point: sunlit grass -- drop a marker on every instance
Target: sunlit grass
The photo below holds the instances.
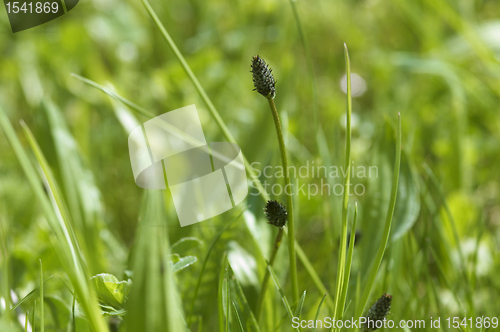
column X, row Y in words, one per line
column 426, row 230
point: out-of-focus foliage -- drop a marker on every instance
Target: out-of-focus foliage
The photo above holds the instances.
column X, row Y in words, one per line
column 437, row 62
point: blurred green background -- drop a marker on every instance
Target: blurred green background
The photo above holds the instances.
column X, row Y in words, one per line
column 436, row 62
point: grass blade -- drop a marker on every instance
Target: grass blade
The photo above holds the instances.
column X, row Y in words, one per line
column 228, row 300
column 339, row 306
column 239, row 299
column 54, row 212
column 220, row 297
column 72, row 325
column 456, row 237
column 317, row 313
column 198, row 283
column 213, row 111
column 153, row 302
column 442, row 271
column 300, row 253
column 4, row 265
column 442, row 195
column 114, row 95
column 78, row 188
column 238, row 317
column 42, row 323
column 211, row 108
column 33, row 317
column 349, row 260
column 280, row 290
column 387, row 228
column 298, row 310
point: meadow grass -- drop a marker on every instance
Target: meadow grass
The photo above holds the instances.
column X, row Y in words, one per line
column 426, row 230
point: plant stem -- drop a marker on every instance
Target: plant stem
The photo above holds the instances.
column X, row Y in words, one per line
column 263, row 287
column 289, row 203
column 339, row 306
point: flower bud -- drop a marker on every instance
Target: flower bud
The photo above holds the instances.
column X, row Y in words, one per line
column 378, row 312
column 263, row 79
column 276, row 213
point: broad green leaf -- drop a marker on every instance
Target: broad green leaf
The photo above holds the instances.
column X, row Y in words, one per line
column 153, row 304
column 174, row 258
column 110, row 291
column 185, row 244
column 59, row 314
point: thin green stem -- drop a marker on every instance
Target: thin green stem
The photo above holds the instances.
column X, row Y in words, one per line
column 42, row 324
column 33, row 327
column 289, row 203
column 220, row 297
column 349, row 262
column 339, row 306
column 265, row 281
column 228, row 300
column 4, row 265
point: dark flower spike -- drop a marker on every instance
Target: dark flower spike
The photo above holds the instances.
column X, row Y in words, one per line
column 276, row 213
column 378, row 312
column 263, row 79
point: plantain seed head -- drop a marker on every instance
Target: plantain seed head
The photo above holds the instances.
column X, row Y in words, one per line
column 263, row 79
column 378, row 311
column 276, row 213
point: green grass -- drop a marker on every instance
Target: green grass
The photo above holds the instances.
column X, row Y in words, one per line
column 425, row 231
